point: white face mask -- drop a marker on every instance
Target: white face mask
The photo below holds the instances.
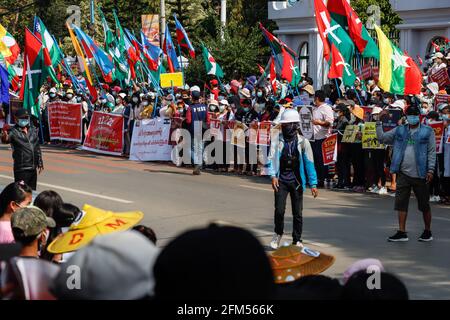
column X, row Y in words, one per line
column 221, row 108
column 69, row 96
column 135, row 100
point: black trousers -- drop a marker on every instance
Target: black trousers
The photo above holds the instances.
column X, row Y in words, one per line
column 296, row 193
column 318, row 161
column 27, row 176
column 343, row 164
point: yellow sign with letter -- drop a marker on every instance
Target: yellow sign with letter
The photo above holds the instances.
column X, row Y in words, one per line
column 169, row 80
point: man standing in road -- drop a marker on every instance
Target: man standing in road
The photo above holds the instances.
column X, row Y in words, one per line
column 197, row 119
column 413, row 160
column 323, row 118
column 291, row 167
column 27, row 155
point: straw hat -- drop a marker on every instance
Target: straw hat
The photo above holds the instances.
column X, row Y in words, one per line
column 358, row 112
column 93, row 222
column 290, row 263
column 309, row 88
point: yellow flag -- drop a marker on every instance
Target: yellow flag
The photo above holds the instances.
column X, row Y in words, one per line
column 79, row 52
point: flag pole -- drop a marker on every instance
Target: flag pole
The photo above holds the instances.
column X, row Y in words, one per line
column 181, row 62
column 337, row 88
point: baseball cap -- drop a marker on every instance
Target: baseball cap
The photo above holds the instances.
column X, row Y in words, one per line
column 438, row 55
column 22, row 113
column 31, row 221
column 117, row 266
column 195, row 88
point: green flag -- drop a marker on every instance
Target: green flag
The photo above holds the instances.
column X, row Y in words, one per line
column 212, row 67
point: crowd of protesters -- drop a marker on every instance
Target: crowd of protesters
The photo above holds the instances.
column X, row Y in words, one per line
column 250, row 100
column 197, row 264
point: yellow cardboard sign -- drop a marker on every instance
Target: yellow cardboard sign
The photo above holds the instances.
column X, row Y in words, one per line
column 369, row 137
column 169, row 80
column 350, row 134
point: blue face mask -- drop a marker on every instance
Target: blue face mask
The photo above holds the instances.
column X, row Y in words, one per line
column 23, row 123
column 445, row 117
column 246, row 109
column 413, row 120
column 259, row 94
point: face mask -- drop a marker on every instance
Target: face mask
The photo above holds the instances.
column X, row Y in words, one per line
column 180, row 110
column 212, row 108
column 259, row 94
column 118, row 101
column 221, row 108
column 69, row 96
column 52, row 95
column 386, row 101
column 135, row 100
column 23, row 123
column 246, row 109
column 413, row 120
column 145, row 103
column 289, row 131
column 78, row 99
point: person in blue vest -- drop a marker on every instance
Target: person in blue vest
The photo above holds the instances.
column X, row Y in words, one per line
column 291, row 167
column 197, row 119
column 413, row 160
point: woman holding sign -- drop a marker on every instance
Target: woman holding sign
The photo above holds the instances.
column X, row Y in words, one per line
column 290, row 158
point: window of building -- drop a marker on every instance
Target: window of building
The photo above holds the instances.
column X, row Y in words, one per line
column 303, row 58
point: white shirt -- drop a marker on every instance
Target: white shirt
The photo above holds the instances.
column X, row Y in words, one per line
column 323, row 113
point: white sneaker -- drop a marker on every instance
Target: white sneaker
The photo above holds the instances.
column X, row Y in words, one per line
column 375, row 190
column 383, row 191
column 275, row 243
column 299, row 244
column 435, row 199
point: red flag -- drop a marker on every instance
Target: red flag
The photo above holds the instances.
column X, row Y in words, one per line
column 32, row 49
column 319, row 7
column 273, row 75
column 288, row 66
column 337, row 67
column 436, row 47
column 261, row 69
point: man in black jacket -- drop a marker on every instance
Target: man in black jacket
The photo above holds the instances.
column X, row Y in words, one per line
column 27, row 155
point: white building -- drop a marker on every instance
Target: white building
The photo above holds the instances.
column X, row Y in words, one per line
column 423, row 22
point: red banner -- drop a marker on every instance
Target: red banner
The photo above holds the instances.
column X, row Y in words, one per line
column 64, row 120
column 105, row 134
column 438, row 128
column 228, row 127
column 329, row 151
column 441, row 78
column 440, row 98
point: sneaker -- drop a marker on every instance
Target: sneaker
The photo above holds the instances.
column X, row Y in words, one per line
column 400, row 236
column 382, row 191
column 299, row 244
column 375, row 190
column 275, row 243
column 435, row 199
column 196, row 171
column 426, row 236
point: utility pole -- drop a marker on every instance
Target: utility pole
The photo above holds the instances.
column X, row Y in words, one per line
column 223, row 17
column 162, row 26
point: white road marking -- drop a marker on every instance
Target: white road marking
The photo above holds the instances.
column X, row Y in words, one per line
column 85, row 193
column 270, row 190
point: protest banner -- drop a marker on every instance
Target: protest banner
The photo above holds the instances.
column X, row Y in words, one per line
column 175, row 124
column 105, row 134
column 150, row 140
column 215, row 126
column 227, row 127
column 350, row 134
column 329, row 149
column 306, row 126
column 390, row 121
column 253, row 133
column 438, row 128
column 441, row 78
column 150, row 28
column 365, row 72
column 264, row 133
column 439, row 99
column 369, row 137
column 64, row 121
column 238, row 134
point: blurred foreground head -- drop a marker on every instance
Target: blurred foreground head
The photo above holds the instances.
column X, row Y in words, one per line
column 214, row 263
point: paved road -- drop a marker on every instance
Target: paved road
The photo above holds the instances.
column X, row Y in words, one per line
column 348, row 225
